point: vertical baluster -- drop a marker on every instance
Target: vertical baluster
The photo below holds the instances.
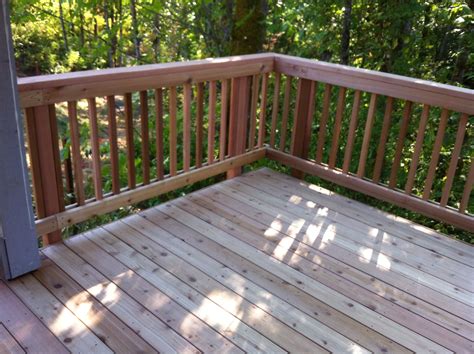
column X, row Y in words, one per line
column 454, row 159
column 263, row 111
column 187, row 128
column 337, row 127
column 276, row 99
column 95, row 148
column 467, row 188
column 145, row 136
column 114, row 157
column 159, row 133
column 352, row 132
column 367, row 132
column 400, row 143
column 43, row 146
column 173, row 134
column 286, row 110
column 308, row 130
column 129, row 140
column 211, row 136
column 253, row 110
column 383, row 140
column 323, row 123
column 435, row 154
column 76, row 152
column 418, row 145
column 223, row 128
column 199, row 123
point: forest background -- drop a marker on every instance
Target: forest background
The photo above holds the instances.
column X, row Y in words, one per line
column 432, row 40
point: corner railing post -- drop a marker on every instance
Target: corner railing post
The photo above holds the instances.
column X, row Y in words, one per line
column 303, row 121
column 238, row 121
column 45, row 163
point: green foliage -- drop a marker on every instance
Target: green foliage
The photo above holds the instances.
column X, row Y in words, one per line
column 426, row 39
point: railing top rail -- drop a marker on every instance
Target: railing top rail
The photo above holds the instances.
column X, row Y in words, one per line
column 89, row 76
column 416, row 90
column 46, row 89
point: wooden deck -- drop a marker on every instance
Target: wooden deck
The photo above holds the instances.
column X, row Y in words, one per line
column 263, row 262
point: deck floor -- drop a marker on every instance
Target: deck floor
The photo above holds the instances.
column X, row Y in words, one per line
column 263, row 262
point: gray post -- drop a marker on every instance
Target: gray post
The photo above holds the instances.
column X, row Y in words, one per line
column 18, row 243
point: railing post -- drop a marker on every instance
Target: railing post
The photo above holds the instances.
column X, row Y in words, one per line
column 45, row 163
column 238, row 121
column 303, row 122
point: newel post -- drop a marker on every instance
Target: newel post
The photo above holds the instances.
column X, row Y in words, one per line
column 18, row 243
column 238, row 120
column 46, row 164
column 303, row 121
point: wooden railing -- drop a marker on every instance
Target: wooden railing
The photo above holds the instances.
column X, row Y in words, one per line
column 152, row 129
column 194, row 114
column 336, row 110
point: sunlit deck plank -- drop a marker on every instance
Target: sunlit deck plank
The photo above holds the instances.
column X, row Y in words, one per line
column 376, row 303
column 60, row 320
column 290, row 246
column 22, row 323
column 280, row 208
column 194, row 278
column 110, row 329
column 195, row 302
column 433, row 263
column 125, row 275
column 364, row 336
column 251, row 295
column 131, row 312
column 293, row 276
column 296, row 229
column 403, row 228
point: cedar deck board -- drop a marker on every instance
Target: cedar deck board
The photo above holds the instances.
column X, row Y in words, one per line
column 250, row 248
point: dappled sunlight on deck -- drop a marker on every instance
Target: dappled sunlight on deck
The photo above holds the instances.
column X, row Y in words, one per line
column 253, row 264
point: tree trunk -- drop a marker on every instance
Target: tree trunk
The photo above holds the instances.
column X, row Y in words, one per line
column 120, row 17
column 135, row 35
column 346, row 32
column 71, row 17
column 113, row 34
column 156, row 38
column 229, row 24
column 248, row 32
column 63, row 25
column 81, row 29
column 391, row 58
column 460, row 68
column 109, row 35
column 424, row 33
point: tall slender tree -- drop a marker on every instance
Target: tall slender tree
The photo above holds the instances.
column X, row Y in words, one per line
column 346, row 32
column 135, row 30
column 248, row 31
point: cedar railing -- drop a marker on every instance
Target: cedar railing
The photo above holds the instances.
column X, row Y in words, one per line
column 202, row 118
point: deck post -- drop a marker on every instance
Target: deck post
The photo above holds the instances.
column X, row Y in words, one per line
column 45, row 164
column 238, row 121
column 303, row 122
column 18, row 243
